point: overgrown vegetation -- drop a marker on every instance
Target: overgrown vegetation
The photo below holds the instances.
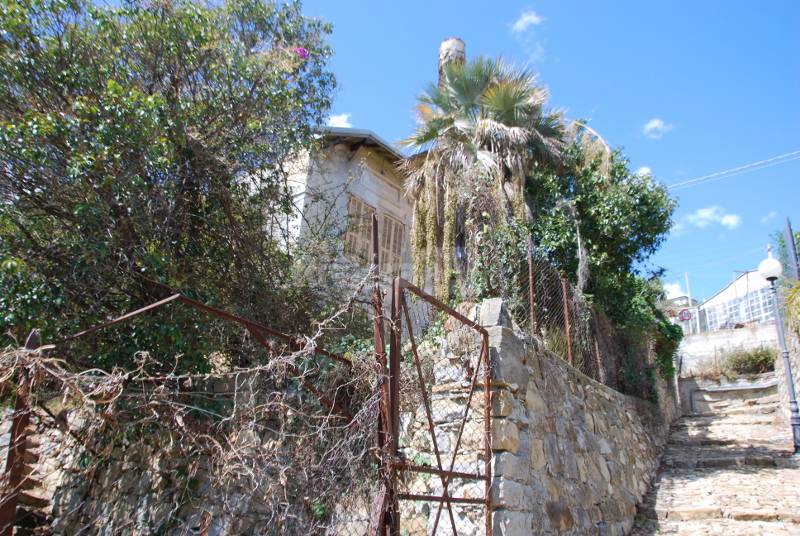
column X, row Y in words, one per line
column 501, row 174
column 143, row 145
column 738, row 362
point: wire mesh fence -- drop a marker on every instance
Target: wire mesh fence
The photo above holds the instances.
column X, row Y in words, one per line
column 546, row 305
column 440, row 367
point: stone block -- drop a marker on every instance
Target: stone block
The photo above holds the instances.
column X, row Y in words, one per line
column 508, row 494
column 507, row 354
column 502, row 403
column 494, row 313
column 508, row 523
column 559, row 514
column 534, row 400
column 507, row 465
column 537, row 454
column 505, row 435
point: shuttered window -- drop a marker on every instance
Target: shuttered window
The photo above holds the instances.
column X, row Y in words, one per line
column 391, row 245
column 358, row 238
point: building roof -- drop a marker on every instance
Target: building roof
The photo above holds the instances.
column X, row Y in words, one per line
column 363, row 137
column 748, row 274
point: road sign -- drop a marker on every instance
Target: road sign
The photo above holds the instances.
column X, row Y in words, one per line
column 685, row 315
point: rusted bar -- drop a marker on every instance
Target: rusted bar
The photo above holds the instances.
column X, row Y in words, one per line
column 249, row 324
column 426, row 404
column 405, row 285
column 532, row 290
column 439, row 498
column 119, row 319
column 15, row 460
column 404, row 466
column 487, row 430
column 298, row 345
column 394, row 404
column 378, row 335
column 567, row 325
column 378, row 522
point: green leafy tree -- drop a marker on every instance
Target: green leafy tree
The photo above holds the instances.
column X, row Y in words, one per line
column 145, row 145
column 600, row 225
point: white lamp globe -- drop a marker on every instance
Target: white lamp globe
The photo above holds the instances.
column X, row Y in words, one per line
column 770, row 268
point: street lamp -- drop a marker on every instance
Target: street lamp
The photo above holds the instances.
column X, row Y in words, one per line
column 770, row 269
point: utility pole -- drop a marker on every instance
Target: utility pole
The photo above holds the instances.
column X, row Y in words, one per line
column 689, row 296
column 791, row 249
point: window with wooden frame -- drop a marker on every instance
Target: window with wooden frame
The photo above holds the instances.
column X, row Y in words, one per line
column 391, row 245
column 358, row 237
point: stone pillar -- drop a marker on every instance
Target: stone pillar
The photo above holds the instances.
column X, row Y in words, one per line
column 512, row 514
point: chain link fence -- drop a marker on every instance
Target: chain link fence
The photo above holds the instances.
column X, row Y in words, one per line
column 546, row 305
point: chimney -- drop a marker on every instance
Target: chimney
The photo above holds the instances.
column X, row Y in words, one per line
column 451, row 50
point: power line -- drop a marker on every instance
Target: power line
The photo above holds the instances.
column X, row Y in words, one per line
column 774, row 161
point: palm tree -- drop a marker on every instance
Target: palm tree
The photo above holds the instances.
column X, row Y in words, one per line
column 481, row 129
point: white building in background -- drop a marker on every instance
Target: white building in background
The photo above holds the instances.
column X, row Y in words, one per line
column 338, row 188
column 746, row 301
column 739, row 316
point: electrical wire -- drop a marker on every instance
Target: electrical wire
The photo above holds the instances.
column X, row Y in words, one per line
column 747, row 168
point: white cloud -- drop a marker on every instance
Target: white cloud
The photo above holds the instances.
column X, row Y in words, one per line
column 731, row 221
column 526, row 19
column 644, row 170
column 341, row 121
column 531, row 42
column 655, row 128
column 769, row 217
column 673, row 290
column 706, row 216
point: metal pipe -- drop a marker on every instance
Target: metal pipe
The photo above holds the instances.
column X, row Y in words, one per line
column 787, row 369
column 567, row 325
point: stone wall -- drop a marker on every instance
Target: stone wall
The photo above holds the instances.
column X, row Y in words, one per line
column 571, row 456
column 700, row 350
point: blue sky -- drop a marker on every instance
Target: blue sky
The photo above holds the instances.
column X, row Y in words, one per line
column 686, row 89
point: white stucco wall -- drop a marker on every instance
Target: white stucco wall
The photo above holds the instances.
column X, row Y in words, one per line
column 701, row 348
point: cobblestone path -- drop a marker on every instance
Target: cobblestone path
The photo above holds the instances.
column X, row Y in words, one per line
column 727, row 472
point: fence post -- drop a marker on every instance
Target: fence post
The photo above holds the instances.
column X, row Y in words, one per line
column 15, row 461
column 567, row 325
column 378, row 516
column 394, row 405
column 532, row 289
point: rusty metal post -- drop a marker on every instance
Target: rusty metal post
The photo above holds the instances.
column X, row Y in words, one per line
column 394, row 404
column 15, row 462
column 487, row 429
column 378, row 336
column 567, row 325
column 532, row 289
column 379, row 518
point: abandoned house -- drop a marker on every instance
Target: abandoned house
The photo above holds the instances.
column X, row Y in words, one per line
column 338, row 188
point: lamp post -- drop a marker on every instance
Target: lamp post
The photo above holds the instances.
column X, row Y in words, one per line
column 770, row 269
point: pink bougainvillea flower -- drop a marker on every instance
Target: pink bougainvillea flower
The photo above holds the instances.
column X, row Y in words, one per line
column 302, row 52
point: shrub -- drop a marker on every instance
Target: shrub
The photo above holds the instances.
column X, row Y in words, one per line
column 752, row 361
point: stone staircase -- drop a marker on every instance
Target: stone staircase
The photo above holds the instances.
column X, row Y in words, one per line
column 727, row 469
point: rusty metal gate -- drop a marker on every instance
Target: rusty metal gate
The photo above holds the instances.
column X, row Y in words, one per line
column 439, row 405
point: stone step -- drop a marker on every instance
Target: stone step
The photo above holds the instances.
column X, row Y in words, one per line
column 718, row 462
column 716, row 527
column 750, row 409
column 727, row 420
column 692, row 513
